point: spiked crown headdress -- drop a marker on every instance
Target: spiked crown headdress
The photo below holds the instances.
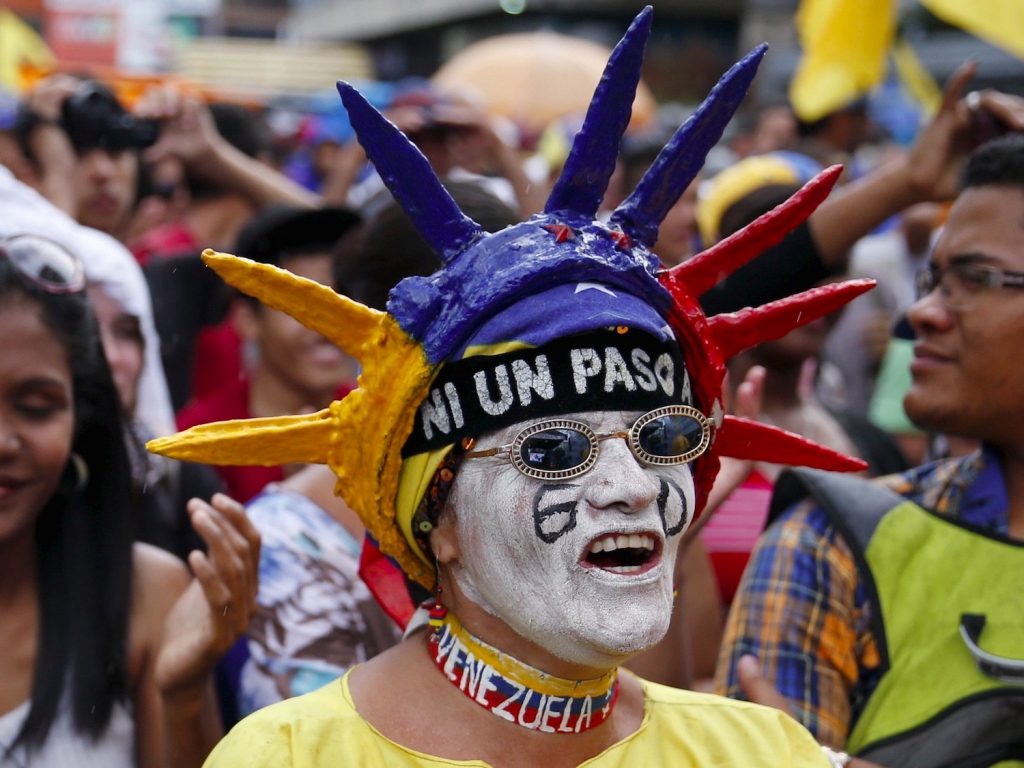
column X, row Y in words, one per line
column 429, row 318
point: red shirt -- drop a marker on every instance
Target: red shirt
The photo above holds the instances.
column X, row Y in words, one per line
column 231, row 401
column 173, row 239
column 731, row 533
column 218, row 351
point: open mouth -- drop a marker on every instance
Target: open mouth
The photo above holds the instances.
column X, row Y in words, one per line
column 623, row 553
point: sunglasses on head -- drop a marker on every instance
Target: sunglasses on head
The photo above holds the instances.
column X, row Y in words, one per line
column 47, row 264
column 559, row 449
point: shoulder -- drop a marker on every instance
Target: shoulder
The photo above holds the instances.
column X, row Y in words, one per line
column 804, row 528
column 322, row 723
column 155, row 568
column 715, row 730
column 158, row 580
column 803, row 559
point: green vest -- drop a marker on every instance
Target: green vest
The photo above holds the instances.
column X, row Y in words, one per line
column 947, row 603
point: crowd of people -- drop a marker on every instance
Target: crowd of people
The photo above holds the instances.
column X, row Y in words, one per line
column 475, row 427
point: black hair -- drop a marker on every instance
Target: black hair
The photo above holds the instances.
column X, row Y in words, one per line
column 638, row 153
column 808, row 129
column 999, row 163
column 83, row 537
column 245, row 130
column 752, row 205
column 280, row 232
column 370, row 260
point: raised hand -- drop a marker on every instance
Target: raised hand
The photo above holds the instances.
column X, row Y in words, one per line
column 938, row 154
column 216, row 608
column 50, row 144
column 187, row 132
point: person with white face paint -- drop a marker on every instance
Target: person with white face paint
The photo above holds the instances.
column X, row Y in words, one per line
column 535, row 426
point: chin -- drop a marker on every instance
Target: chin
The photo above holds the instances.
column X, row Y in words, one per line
column 605, row 632
column 930, row 413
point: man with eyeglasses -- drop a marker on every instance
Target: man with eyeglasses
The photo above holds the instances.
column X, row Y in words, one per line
column 889, row 614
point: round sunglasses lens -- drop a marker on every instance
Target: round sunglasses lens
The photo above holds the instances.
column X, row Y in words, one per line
column 671, row 435
column 45, row 262
column 555, row 449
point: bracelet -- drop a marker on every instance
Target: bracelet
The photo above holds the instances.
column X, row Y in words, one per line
column 838, row 759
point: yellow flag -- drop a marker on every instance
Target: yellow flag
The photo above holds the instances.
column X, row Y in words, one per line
column 1000, row 22
column 19, row 44
column 845, row 43
column 916, row 78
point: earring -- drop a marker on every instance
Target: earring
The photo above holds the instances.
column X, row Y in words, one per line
column 76, row 474
column 438, row 612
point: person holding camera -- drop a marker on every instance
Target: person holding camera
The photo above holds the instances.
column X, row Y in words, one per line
column 77, row 130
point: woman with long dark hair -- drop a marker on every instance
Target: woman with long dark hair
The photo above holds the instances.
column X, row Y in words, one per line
column 106, row 646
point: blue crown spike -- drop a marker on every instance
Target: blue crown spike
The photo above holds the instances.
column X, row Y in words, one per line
column 407, row 173
column 591, row 161
column 680, row 161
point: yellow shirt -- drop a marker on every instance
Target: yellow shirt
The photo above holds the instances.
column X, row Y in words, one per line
column 680, row 729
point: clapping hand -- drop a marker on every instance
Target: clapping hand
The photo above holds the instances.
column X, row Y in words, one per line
column 215, row 609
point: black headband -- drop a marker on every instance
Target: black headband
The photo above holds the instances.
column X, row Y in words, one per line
column 609, row 370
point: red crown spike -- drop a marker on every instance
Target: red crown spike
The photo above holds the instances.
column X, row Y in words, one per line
column 744, row 439
column 736, row 331
column 705, row 269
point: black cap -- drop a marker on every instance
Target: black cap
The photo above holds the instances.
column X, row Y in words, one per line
column 282, row 231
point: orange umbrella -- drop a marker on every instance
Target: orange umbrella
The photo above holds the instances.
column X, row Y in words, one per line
column 535, row 78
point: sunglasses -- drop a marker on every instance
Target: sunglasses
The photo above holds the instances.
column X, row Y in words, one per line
column 47, row 264
column 559, row 449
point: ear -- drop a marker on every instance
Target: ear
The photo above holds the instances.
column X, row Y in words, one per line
column 444, row 541
column 245, row 318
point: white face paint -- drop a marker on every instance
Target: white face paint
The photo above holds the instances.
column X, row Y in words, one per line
column 527, row 547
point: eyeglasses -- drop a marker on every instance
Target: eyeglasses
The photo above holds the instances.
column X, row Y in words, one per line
column 962, row 282
column 558, row 449
column 47, row 264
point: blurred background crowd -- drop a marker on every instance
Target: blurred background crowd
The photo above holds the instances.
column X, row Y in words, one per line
column 179, row 125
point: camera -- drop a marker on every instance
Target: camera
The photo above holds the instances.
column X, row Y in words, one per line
column 94, row 119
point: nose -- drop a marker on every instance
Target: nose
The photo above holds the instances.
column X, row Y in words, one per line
column 930, row 313
column 619, row 481
column 9, row 442
column 100, row 164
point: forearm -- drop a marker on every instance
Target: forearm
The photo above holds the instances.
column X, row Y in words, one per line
column 855, row 210
column 191, row 729
column 263, row 185
column 52, row 152
column 343, row 173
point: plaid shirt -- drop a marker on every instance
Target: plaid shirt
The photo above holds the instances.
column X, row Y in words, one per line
column 802, row 608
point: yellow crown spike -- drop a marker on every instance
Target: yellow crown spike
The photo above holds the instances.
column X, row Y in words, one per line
column 360, row 437
column 253, row 442
column 347, row 323
column 373, row 423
